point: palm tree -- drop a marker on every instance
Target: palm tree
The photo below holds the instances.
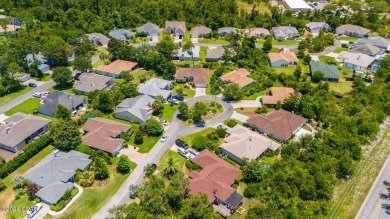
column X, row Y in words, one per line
column 170, row 167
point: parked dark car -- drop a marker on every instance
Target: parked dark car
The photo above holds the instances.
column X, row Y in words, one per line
column 178, row 97
column 181, row 143
column 32, row 84
column 200, row 124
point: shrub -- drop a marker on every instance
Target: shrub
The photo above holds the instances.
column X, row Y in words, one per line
column 125, row 136
column 220, row 132
column 200, row 142
column 231, row 123
column 2, row 162
column 2, row 186
column 123, row 165
column 83, row 148
column 152, row 127
column 192, row 166
column 139, row 137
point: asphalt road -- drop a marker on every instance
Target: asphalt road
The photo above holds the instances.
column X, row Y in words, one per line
column 20, row 99
column 374, row 207
column 176, row 130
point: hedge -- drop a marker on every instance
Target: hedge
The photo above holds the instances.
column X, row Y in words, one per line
column 61, row 205
column 29, row 151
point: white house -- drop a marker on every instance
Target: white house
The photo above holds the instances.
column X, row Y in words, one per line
column 356, row 61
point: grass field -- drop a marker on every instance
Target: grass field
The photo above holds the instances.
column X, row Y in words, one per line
column 213, row 41
column 260, row 7
column 203, row 52
column 98, row 63
column 68, row 88
column 180, row 161
column 190, row 93
column 340, row 49
column 168, row 112
column 28, row 106
column 9, row 97
column 274, row 50
column 191, row 137
column 148, row 143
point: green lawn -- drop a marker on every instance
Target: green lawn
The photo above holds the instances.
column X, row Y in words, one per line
column 274, row 50
column 238, row 122
column 277, row 42
column 189, row 92
column 186, row 38
column 148, row 143
column 9, row 97
column 27, row 106
column 253, row 96
column 68, row 88
column 342, row 87
column 348, row 38
column 208, row 92
column 325, row 58
column 261, row 7
column 202, row 55
column 190, row 137
column 168, row 112
column 180, row 160
column 213, row 41
column 246, row 204
column 248, row 111
column 340, row 49
column 111, row 117
column 98, row 63
column 290, row 69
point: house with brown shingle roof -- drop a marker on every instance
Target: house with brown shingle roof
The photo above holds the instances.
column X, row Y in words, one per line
column 8, row 29
column 215, row 180
column 276, row 94
column 102, row 134
column 282, row 59
column 278, row 124
column 257, row 32
column 200, row 31
column 200, row 76
column 238, row 76
column 115, row 68
column 178, row 28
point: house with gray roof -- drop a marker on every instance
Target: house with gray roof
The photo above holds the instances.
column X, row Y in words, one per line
column 42, row 66
column 55, row 174
column 156, row 87
column 284, row 32
column 356, row 61
column 98, row 39
column 149, row 28
column 121, row 34
column 257, row 32
column 367, row 49
column 352, row 30
column 200, row 31
column 226, row 30
column 331, row 72
column 377, row 41
column 185, row 55
column 178, row 28
column 215, row 54
column 70, row 101
column 90, row 82
column 137, row 109
column 19, row 129
column 315, row 27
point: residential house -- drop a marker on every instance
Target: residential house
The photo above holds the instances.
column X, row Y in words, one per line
column 178, row 28
column 316, row 27
column 352, row 30
column 277, row 95
column 185, row 55
column 282, row 59
column 285, row 32
column 200, row 76
column 90, row 82
column 8, row 29
column 278, row 124
column 297, row 5
column 356, row 61
column 215, row 54
column 215, row 180
column 245, row 145
column 156, row 87
column 258, row 32
column 98, row 39
column 42, row 66
column 121, row 34
column 55, row 174
column 103, row 134
column 149, row 28
column 331, row 72
column 377, row 41
column 367, row 49
column 137, row 109
column 238, row 76
column 70, row 101
column 22, row 77
column 19, row 129
column 115, row 68
column 200, row 31
column 223, row 31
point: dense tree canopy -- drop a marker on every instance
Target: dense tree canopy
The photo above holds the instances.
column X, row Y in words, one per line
column 65, row 135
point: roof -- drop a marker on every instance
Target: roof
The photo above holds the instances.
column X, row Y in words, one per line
column 330, row 71
column 277, row 94
column 201, row 75
column 139, row 106
column 284, row 30
column 149, row 28
column 54, row 171
column 120, row 34
column 367, row 49
column 30, row 58
column 317, row 25
column 200, row 30
column 155, row 87
column 353, row 29
column 89, row 82
column 102, row 133
column 184, row 53
column 227, row 30
column 356, row 58
column 287, row 56
column 239, row 76
column 176, row 24
column 21, row 126
column 297, row 4
column 375, row 41
column 257, row 31
column 279, row 122
column 214, row 179
column 99, row 36
column 56, row 98
column 117, row 67
column 10, row 28
column 215, row 53
column 245, row 143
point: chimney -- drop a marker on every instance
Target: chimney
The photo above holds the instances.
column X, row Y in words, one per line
column 92, row 84
column 7, row 130
column 69, row 97
column 56, row 153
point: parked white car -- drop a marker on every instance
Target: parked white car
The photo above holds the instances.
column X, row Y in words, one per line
column 183, row 152
column 37, row 95
column 164, row 122
column 164, row 138
column 33, row 210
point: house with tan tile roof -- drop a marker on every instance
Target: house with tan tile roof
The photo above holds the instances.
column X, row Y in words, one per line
column 200, row 76
column 277, row 94
column 257, row 32
column 115, row 68
column 215, row 180
column 282, row 59
column 90, row 82
column 8, row 29
column 200, row 31
column 238, row 76
column 103, row 134
column 278, row 124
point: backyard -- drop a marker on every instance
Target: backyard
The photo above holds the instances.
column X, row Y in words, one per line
column 191, row 137
column 9, row 97
column 348, row 38
column 340, row 49
column 213, row 41
column 168, row 112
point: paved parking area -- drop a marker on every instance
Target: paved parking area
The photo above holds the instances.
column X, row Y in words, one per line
column 133, row 154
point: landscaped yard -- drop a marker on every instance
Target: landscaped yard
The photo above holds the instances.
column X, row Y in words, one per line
column 290, row 69
column 148, row 143
column 180, row 160
column 98, row 63
column 191, row 137
column 203, row 52
column 213, row 41
column 348, row 38
column 9, row 97
column 68, row 88
column 189, row 93
column 246, row 204
column 186, row 38
column 340, row 49
column 28, row 106
column 274, row 49
column 277, row 42
column 168, row 112
column 214, row 109
column 248, row 111
column 342, row 87
column 139, row 40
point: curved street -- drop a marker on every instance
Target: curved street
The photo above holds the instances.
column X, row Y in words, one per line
column 175, row 130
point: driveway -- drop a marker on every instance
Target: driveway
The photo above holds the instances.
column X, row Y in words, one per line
column 2, row 118
column 200, row 92
column 240, row 117
column 133, row 154
column 42, row 213
column 38, row 83
column 195, row 40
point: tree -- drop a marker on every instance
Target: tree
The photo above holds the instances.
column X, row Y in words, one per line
column 158, row 105
column 129, row 89
column 100, row 168
column 220, row 132
column 18, row 181
column 62, row 112
column 62, row 75
column 32, row 189
column 298, row 73
column 252, row 172
column 198, row 110
column 167, row 48
column 139, row 137
column 149, row 170
column 317, row 76
column 82, row 63
column 152, row 127
column 65, row 135
column 267, row 46
column 232, row 92
column 183, row 109
column 200, row 142
column 306, row 59
column 104, row 102
column 189, row 46
column 123, row 165
column 195, row 208
column 14, row 68
column 170, row 167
